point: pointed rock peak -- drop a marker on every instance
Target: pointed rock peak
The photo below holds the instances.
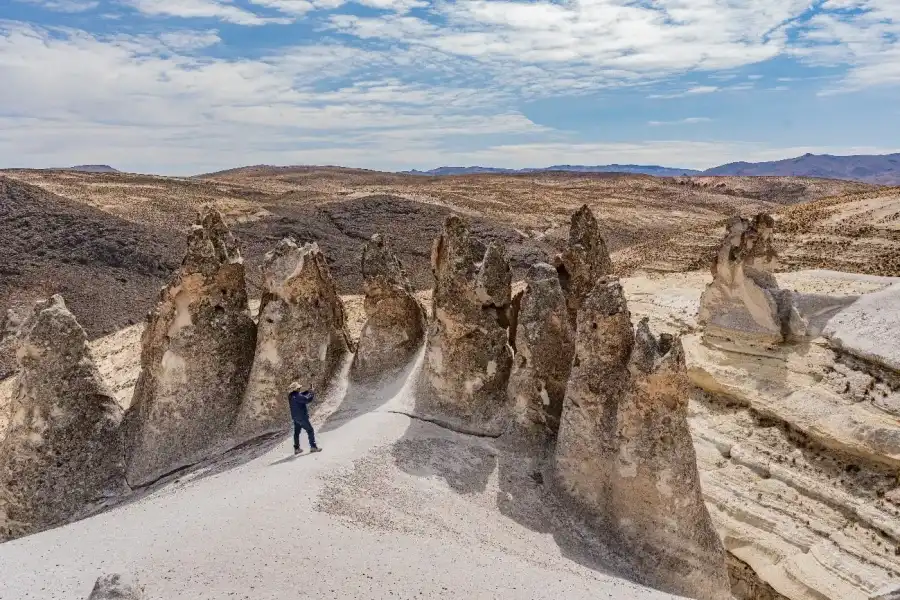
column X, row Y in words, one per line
column 380, row 263
column 584, row 229
column 210, row 242
column 293, row 272
column 494, row 279
column 455, row 250
column 51, row 328
column 584, row 261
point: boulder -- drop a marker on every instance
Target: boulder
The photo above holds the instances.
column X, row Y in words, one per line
column 63, row 451
column 301, row 335
column 395, row 321
column 196, row 353
column 467, row 358
column 624, row 452
column 545, row 345
column 115, row 587
column 584, row 261
column 743, row 302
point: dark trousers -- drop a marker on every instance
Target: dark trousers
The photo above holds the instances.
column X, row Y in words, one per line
column 301, row 426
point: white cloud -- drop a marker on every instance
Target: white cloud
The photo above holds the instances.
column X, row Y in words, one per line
column 211, row 9
column 694, row 91
column 65, row 6
column 687, row 121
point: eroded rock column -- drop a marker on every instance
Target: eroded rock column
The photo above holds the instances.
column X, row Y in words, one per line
column 196, row 354
column 584, row 261
column 395, row 321
column 301, row 335
column 545, row 345
column 63, row 451
column 624, row 452
column 744, row 303
column 467, row 357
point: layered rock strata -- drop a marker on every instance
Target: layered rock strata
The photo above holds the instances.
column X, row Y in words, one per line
column 395, row 321
column 467, row 357
column 624, row 452
column 196, row 353
column 545, row 345
column 63, row 450
column 301, row 335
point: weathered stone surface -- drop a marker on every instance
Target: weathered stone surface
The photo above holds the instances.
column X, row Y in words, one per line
column 64, row 448
column 585, row 260
column 115, row 587
column 196, row 354
column 624, row 452
column 395, row 321
column 545, row 345
column 301, row 335
column 888, row 593
column 743, row 302
column 868, row 328
column 467, row 357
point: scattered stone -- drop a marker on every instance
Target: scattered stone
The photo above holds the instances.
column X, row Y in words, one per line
column 744, row 302
column 585, row 260
column 545, row 345
column 196, row 354
column 625, row 455
column 301, row 335
column 467, row 357
column 115, row 587
column 395, row 321
column 63, row 451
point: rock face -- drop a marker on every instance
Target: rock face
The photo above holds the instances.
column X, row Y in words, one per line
column 115, row 587
column 624, row 452
column 301, row 335
column 545, row 345
column 395, row 321
column 196, row 353
column 64, row 448
column 467, row 357
column 585, row 260
column 743, row 301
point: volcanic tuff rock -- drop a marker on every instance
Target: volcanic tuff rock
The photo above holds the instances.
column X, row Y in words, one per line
column 467, row 357
column 624, row 452
column 63, row 450
column 115, row 587
column 395, row 323
column 196, row 354
column 584, row 261
column 301, row 335
column 744, row 301
column 545, row 345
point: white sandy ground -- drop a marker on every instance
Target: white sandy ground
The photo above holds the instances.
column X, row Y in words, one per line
column 392, row 508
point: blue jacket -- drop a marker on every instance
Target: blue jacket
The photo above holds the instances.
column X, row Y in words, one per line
column 299, row 402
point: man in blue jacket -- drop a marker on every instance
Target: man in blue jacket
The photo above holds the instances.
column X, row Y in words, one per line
column 299, row 401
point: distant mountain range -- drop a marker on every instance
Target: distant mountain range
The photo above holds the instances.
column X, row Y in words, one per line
column 641, row 169
column 883, row 169
column 93, row 169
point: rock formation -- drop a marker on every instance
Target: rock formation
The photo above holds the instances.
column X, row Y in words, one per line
column 743, row 301
column 624, row 453
column 301, row 335
column 585, row 260
column 115, row 587
column 64, row 449
column 467, row 357
column 545, row 345
column 395, row 321
column 196, row 354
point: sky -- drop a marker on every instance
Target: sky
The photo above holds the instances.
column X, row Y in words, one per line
column 184, row 87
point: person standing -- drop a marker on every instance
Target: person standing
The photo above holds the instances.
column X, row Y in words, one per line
column 299, row 402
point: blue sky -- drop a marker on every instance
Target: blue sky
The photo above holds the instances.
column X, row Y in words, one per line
column 188, row 86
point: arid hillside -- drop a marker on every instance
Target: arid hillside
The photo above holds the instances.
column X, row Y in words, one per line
column 340, row 208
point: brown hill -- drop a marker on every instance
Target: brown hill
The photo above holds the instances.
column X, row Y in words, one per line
column 881, row 169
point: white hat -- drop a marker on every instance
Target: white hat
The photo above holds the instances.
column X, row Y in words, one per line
column 295, row 386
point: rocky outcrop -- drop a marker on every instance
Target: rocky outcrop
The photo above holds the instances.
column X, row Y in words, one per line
column 744, row 303
column 545, row 345
column 395, row 321
column 301, row 335
column 196, row 353
column 584, row 261
column 63, row 451
column 624, row 453
column 115, row 587
column 467, row 358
